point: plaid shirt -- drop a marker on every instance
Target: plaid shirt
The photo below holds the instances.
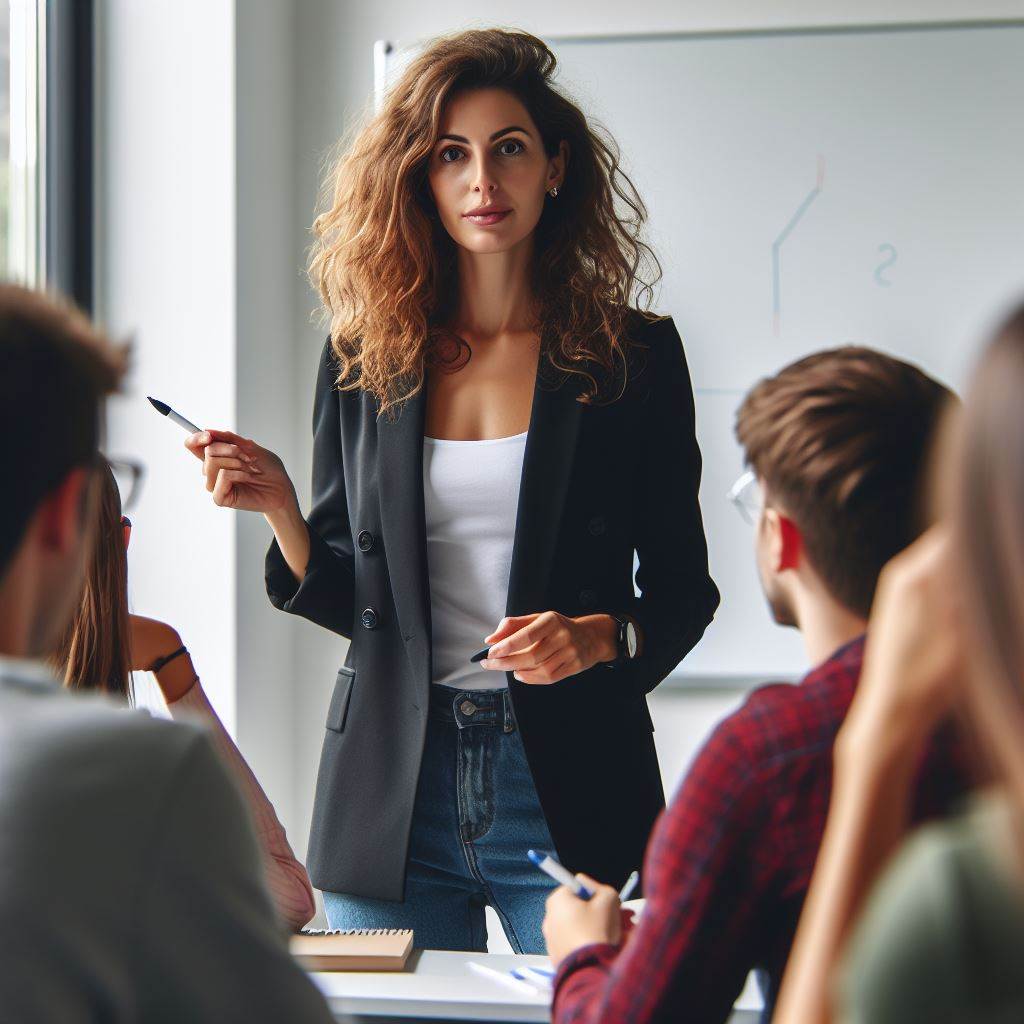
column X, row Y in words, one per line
column 730, row 860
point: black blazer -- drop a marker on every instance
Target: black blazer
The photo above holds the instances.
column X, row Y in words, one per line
column 598, row 482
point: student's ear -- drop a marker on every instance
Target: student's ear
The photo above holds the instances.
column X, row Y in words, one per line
column 791, row 544
column 65, row 513
column 782, row 540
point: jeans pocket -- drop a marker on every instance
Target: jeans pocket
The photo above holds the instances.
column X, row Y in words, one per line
column 338, row 711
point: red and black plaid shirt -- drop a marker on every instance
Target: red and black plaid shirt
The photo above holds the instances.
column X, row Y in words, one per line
column 730, row 860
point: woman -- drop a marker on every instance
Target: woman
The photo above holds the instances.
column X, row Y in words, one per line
column 104, row 644
column 496, row 432
column 942, row 933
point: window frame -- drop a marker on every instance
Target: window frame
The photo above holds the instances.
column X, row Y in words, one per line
column 68, row 140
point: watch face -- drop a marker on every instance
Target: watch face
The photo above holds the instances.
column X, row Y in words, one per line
column 631, row 639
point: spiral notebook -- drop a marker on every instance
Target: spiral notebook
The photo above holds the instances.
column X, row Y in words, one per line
column 362, row 949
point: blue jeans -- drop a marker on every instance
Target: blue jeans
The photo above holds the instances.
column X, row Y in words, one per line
column 476, row 815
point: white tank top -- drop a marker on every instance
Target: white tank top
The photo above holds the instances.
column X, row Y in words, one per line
column 470, row 497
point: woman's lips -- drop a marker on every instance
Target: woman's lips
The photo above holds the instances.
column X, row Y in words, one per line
column 485, row 219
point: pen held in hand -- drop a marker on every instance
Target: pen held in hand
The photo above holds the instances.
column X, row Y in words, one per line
column 165, row 410
column 627, row 889
column 480, row 655
column 554, row 870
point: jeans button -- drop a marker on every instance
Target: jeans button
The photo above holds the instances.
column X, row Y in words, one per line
column 365, row 540
column 467, row 707
column 369, row 618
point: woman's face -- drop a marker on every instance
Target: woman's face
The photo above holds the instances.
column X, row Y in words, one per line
column 488, row 172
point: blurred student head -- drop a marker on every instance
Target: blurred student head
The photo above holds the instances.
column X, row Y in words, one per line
column 838, row 445
column 984, row 492
column 56, row 372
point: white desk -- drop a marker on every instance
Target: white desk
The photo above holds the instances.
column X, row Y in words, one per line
column 438, row 986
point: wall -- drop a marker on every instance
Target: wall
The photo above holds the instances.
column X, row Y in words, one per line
column 166, row 276
column 195, row 257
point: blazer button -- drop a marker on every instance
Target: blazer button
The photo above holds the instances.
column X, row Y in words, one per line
column 369, row 618
column 588, row 598
column 365, row 540
column 597, row 526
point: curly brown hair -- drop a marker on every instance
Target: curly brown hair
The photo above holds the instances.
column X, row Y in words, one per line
column 385, row 266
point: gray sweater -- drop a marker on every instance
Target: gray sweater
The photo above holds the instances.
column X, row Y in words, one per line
column 131, row 887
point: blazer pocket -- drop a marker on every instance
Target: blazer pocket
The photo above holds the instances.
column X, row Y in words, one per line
column 338, row 711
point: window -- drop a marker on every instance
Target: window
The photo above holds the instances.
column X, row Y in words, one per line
column 19, row 204
column 46, row 145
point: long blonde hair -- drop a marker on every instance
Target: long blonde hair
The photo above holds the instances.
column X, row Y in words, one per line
column 385, row 266
column 93, row 653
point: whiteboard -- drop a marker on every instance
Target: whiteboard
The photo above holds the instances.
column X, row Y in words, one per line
column 808, row 189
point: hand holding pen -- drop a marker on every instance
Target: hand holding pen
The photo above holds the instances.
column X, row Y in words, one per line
column 571, row 922
column 239, row 473
column 581, row 911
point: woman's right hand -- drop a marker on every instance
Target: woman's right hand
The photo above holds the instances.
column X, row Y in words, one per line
column 241, row 474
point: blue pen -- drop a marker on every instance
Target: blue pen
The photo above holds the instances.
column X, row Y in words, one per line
column 541, row 972
column 553, row 869
column 525, row 975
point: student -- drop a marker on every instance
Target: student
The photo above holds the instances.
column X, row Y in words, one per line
column 496, row 432
column 837, row 443
column 942, row 935
column 130, row 881
column 103, row 644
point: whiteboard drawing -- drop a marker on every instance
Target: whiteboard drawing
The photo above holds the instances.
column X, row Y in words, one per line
column 890, row 254
column 783, row 235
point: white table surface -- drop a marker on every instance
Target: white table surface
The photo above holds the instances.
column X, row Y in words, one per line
column 438, row 985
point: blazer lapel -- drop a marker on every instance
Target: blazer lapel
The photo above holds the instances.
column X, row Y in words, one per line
column 400, row 482
column 547, row 463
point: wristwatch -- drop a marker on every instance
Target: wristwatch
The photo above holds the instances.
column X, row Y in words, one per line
column 626, row 643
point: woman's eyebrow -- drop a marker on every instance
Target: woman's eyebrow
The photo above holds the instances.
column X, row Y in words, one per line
column 510, row 128
column 496, row 135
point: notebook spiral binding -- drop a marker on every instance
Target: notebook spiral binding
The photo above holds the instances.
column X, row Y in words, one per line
column 353, row 931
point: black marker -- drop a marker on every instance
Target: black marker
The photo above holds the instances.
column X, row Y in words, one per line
column 480, row 655
column 165, row 410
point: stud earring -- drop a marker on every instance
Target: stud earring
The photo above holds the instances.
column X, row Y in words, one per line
column 553, row 191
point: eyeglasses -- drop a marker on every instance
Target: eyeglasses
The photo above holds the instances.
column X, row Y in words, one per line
column 128, row 476
column 746, row 496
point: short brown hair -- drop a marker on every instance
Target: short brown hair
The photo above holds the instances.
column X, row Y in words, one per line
column 55, row 370
column 841, row 440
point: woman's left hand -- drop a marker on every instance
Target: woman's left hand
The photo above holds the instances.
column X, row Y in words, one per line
column 547, row 646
